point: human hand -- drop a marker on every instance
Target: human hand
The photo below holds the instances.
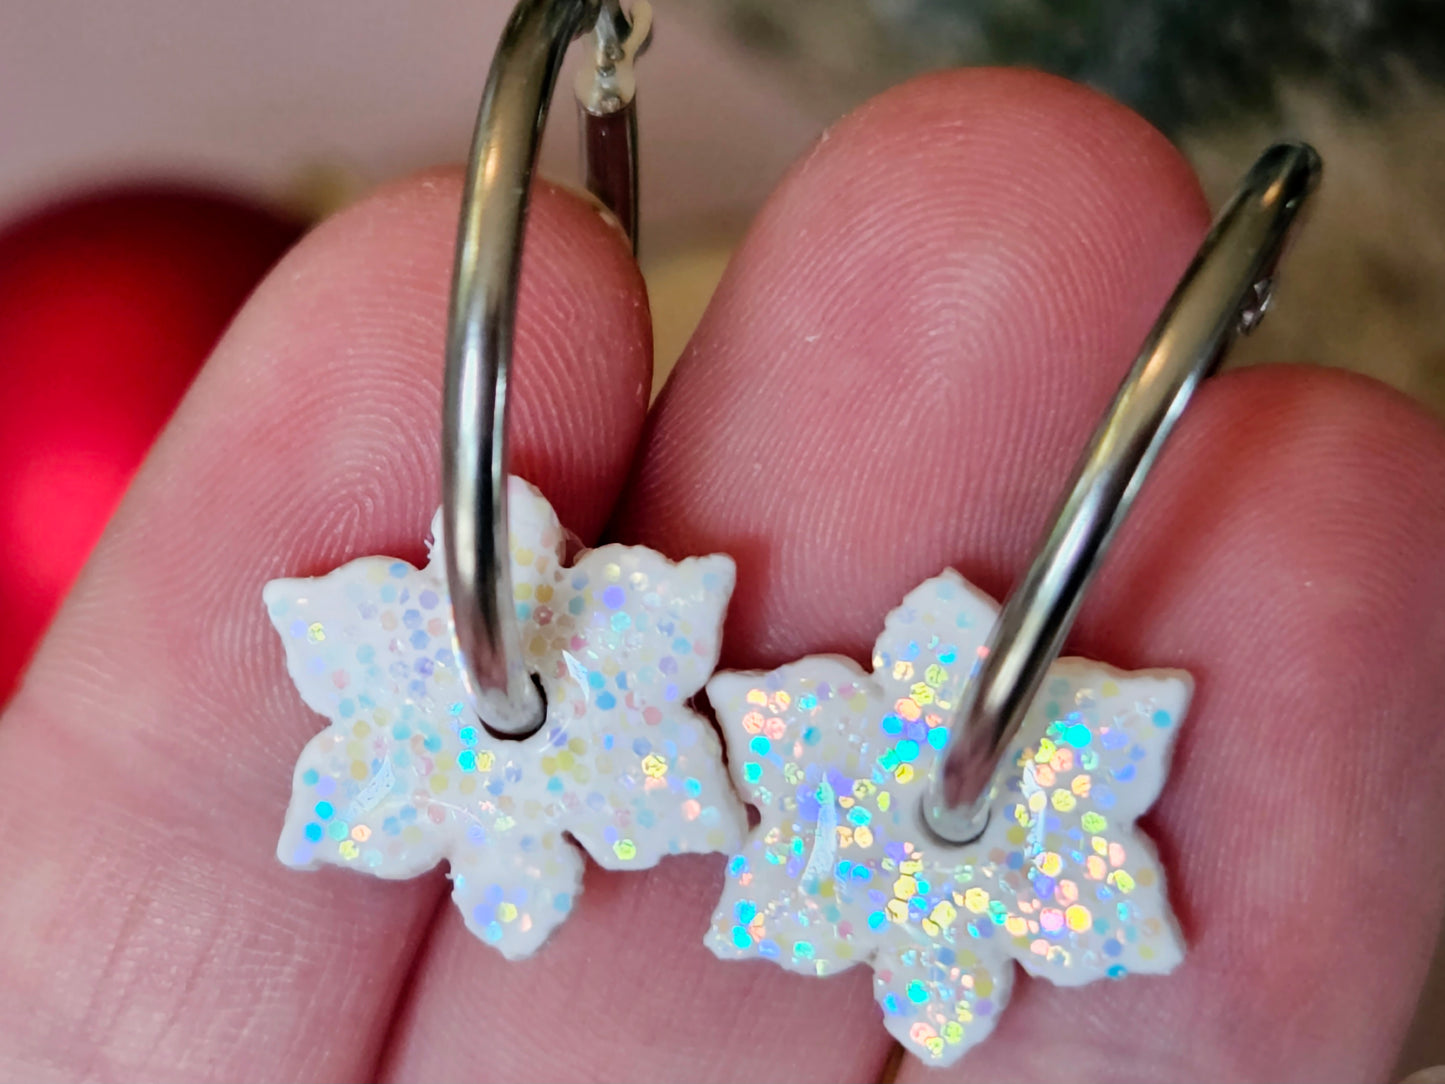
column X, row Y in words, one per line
column 897, row 374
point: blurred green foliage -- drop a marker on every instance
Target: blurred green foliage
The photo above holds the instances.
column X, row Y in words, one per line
column 1179, row 62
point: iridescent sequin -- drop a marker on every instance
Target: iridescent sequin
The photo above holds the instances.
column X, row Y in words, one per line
column 406, row 775
column 839, row 871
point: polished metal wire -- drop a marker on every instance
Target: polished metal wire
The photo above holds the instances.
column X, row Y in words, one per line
column 482, row 318
column 1224, row 293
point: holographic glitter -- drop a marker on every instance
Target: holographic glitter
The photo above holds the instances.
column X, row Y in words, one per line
column 406, row 774
column 840, row 870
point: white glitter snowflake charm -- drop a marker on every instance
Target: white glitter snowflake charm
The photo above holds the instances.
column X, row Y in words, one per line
column 840, row 871
column 406, row 775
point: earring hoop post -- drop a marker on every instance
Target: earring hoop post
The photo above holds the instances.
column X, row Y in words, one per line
column 1224, row 293
column 480, row 337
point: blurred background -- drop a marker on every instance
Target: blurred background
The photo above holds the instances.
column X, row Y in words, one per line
column 157, row 156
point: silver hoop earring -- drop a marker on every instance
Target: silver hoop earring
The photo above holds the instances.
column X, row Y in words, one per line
column 486, row 704
column 971, row 800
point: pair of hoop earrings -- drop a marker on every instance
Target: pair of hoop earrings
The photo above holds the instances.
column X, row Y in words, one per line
column 969, row 801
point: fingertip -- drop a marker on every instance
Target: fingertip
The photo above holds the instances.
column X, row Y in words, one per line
column 347, row 337
column 584, row 322
column 1331, row 486
column 310, row 438
column 923, row 323
column 1024, row 116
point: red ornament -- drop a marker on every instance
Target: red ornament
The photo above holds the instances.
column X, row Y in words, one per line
column 109, row 304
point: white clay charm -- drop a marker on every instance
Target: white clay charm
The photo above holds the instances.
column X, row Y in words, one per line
column 406, row 775
column 841, row 871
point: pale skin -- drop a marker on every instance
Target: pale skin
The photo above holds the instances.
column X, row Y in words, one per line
column 898, row 371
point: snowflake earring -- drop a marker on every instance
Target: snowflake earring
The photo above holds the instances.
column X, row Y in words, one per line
column 484, row 705
column 972, row 801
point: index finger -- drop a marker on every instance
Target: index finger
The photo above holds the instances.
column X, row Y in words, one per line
column 146, row 929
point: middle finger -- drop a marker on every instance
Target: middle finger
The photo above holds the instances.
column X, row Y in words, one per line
column 960, row 268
